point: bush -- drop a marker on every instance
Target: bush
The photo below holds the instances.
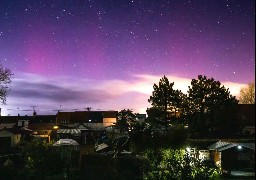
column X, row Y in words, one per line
column 176, row 164
column 98, row 167
column 42, row 160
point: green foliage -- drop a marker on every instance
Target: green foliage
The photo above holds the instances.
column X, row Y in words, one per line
column 97, row 167
column 143, row 138
column 5, row 80
column 8, row 170
column 42, row 159
column 177, row 164
column 125, row 120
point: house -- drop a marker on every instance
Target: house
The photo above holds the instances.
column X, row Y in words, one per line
column 8, row 121
column 245, row 118
column 42, row 119
column 40, row 125
column 24, row 121
column 81, row 125
column 9, row 137
column 42, row 130
column 233, row 155
column 96, row 120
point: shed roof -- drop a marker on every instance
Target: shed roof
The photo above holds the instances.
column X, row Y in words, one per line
column 68, row 131
column 41, row 126
column 63, row 142
column 12, row 130
column 85, row 116
column 223, row 145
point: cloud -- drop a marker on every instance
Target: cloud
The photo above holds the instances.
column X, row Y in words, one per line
column 234, row 88
column 145, row 84
column 49, row 93
column 56, row 93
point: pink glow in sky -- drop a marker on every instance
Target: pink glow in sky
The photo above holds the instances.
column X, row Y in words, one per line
column 108, row 54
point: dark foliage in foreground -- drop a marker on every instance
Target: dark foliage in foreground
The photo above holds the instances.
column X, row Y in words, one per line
column 96, row 167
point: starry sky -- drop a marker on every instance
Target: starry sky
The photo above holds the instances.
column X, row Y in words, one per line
column 107, row 54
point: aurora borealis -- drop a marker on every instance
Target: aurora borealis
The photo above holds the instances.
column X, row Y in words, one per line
column 69, row 55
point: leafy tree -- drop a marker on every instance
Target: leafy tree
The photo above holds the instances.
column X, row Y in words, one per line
column 208, row 103
column 165, row 102
column 247, row 94
column 155, row 116
column 42, row 159
column 126, row 118
column 177, row 164
column 5, row 80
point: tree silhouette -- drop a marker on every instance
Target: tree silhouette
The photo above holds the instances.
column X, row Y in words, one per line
column 165, row 102
column 5, row 80
column 125, row 119
column 209, row 102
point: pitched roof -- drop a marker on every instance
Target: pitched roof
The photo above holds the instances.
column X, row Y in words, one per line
column 9, row 119
column 223, row 145
column 68, row 131
column 85, row 116
column 32, row 119
column 12, row 130
column 41, row 126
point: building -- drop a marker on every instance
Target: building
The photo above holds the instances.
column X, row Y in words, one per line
column 24, row 121
column 9, row 137
column 245, row 118
column 37, row 125
column 42, row 130
column 96, row 120
column 233, row 155
column 8, row 121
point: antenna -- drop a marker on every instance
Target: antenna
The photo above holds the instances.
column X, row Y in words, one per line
column 34, row 112
column 33, row 107
column 58, row 109
column 88, row 108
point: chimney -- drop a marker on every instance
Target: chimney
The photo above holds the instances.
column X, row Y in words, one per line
column 34, row 113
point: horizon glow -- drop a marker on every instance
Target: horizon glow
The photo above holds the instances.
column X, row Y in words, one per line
column 108, row 54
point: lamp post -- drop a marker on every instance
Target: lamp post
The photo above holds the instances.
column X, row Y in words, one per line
column 55, row 128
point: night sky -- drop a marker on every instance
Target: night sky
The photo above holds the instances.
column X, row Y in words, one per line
column 107, row 54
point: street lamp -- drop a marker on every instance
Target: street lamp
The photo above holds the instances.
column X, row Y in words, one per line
column 188, row 149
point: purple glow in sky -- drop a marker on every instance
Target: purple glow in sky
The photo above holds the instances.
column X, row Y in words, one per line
column 108, row 54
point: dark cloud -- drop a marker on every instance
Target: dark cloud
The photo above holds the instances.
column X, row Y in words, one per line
column 56, row 93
